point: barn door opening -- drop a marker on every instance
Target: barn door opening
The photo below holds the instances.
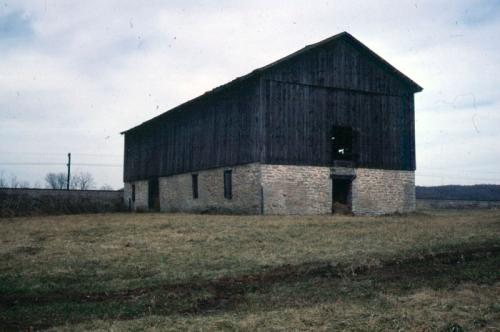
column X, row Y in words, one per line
column 153, row 194
column 345, row 143
column 341, row 195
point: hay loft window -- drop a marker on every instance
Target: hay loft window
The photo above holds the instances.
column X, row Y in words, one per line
column 228, row 184
column 133, row 193
column 344, row 144
column 194, row 183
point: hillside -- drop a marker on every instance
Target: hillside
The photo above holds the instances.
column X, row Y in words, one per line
column 482, row 192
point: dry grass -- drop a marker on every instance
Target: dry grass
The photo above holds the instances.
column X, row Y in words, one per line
column 472, row 307
column 47, row 257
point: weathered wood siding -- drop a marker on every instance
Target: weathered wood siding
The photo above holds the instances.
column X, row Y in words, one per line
column 299, row 121
column 214, row 131
column 337, row 85
column 341, row 65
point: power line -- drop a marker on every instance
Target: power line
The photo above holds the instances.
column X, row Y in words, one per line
column 62, row 154
column 31, row 164
column 98, row 165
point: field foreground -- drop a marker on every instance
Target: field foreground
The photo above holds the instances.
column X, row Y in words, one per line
column 426, row 271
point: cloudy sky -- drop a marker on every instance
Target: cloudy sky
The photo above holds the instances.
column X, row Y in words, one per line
column 74, row 74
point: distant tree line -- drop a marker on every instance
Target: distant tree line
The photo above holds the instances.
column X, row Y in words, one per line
column 12, row 182
column 79, row 181
column 479, row 192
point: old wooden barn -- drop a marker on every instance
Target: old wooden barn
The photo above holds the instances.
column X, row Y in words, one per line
column 327, row 128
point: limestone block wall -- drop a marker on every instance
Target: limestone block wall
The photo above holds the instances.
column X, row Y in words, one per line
column 141, row 195
column 296, row 189
column 377, row 191
column 176, row 191
column 280, row 189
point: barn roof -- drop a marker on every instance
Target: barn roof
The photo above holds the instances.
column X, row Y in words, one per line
column 413, row 85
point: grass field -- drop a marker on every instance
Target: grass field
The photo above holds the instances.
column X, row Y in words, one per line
column 426, row 271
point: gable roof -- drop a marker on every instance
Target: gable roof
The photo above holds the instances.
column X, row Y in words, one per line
column 362, row 47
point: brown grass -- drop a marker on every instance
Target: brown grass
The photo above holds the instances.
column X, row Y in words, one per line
column 48, row 257
column 472, row 307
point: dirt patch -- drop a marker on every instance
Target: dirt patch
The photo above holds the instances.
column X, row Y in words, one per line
column 230, row 290
column 27, row 250
column 227, row 294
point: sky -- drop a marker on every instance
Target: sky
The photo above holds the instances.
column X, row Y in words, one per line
column 74, row 74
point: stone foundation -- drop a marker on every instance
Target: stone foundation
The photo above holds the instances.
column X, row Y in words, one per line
column 176, row 193
column 281, row 189
column 141, row 195
column 377, row 191
column 296, row 189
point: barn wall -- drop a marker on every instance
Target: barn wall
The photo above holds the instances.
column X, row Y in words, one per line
column 307, row 190
column 298, row 190
column 218, row 130
column 299, row 121
column 281, row 189
column 176, row 193
column 376, row 192
column 337, row 85
column 141, row 195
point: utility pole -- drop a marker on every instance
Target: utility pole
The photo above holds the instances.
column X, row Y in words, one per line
column 69, row 171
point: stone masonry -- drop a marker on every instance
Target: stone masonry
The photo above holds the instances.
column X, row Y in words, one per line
column 296, row 189
column 141, row 195
column 176, row 192
column 377, row 191
column 281, row 189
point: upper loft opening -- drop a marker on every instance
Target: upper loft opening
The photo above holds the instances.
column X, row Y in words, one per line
column 344, row 146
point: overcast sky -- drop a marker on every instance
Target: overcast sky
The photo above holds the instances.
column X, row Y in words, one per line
column 74, row 74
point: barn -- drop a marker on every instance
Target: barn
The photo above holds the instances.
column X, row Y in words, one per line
column 328, row 128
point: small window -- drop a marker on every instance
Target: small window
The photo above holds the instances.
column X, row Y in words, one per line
column 228, row 184
column 194, row 178
column 133, row 193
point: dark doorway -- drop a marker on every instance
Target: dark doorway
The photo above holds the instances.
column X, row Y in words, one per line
column 341, row 195
column 344, row 145
column 153, row 194
column 228, row 184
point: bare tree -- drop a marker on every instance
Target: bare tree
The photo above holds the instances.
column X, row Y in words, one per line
column 82, row 181
column 24, row 184
column 56, row 180
column 62, row 179
column 3, row 181
column 14, row 183
column 51, row 180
